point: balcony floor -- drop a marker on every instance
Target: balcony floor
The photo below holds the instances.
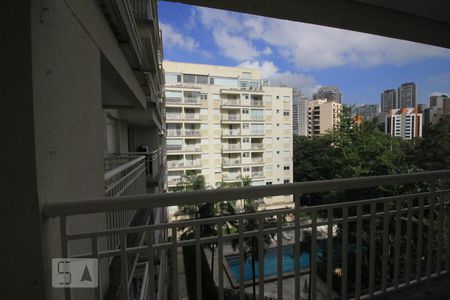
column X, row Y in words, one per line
column 439, row 289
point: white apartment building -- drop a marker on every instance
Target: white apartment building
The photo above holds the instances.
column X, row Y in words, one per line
column 227, row 123
column 405, row 123
column 300, row 114
column 323, row 116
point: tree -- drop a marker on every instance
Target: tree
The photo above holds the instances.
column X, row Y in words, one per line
column 433, row 151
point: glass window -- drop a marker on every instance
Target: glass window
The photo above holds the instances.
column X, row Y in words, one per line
column 172, row 78
column 285, row 113
column 202, row 79
column 245, row 140
column 174, row 94
column 203, row 96
column 188, row 78
column 245, row 125
column 246, row 154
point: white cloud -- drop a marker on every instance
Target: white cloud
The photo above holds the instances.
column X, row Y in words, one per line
column 175, row 39
column 305, row 83
column 308, row 46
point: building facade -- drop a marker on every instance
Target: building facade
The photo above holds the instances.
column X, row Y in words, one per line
column 442, row 102
column 300, row 114
column 227, row 123
column 407, row 95
column 330, row 93
column 388, row 100
column 405, row 123
column 91, row 82
column 323, row 116
column 367, row 111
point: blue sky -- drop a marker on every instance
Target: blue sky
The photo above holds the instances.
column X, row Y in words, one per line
column 301, row 55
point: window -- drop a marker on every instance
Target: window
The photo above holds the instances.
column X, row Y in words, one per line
column 188, row 78
column 172, row 78
column 287, row 181
column 202, row 79
column 278, row 138
column 246, row 140
column 246, row 169
column 245, row 111
column 203, row 96
column 278, row 124
column 245, row 125
column 286, row 98
column 278, row 97
column 278, row 111
column 246, row 154
column 269, row 183
column 245, row 96
column 285, row 113
column 286, row 168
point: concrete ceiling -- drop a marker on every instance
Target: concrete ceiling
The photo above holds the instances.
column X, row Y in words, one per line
column 424, row 21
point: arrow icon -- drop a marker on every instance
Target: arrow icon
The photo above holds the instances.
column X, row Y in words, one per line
column 86, row 275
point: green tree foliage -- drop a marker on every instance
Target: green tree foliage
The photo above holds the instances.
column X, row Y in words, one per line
column 433, row 151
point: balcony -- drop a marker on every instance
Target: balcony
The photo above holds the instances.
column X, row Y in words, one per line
column 257, row 146
column 172, row 116
column 192, row 132
column 231, row 132
column 175, row 164
column 174, row 100
column 231, row 102
column 256, row 103
column 231, row 117
column 231, row 176
column 174, row 132
column 257, row 118
column 257, row 132
column 231, row 147
column 257, row 174
column 192, row 163
column 191, row 117
column 192, row 100
column 257, row 160
column 231, row 162
column 381, row 245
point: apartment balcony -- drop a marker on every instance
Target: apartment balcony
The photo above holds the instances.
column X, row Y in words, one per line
column 173, row 181
column 231, row 132
column 174, row 164
column 192, row 163
column 192, row 100
column 174, row 132
column 231, row 117
column 231, row 177
column 191, row 117
column 192, row 132
column 257, row 160
column 231, row 147
column 174, row 100
column 257, row 132
column 393, row 241
column 257, row 118
column 231, row 102
column 257, row 175
column 192, row 148
column 174, row 148
column 174, row 117
column 256, row 103
column 231, row 162
column 257, row 146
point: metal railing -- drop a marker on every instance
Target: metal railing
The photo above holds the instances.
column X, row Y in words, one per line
column 231, row 117
column 174, row 132
column 257, row 132
column 355, row 249
column 174, row 100
column 191, row 100
column 192, row 132
column 190, row 116
column 231, row 162
column 257, row 146
column 232, row 132
column 170, row 116
column 234, row 102
column 231, row 147
column 256, row 103
column 175, row 164
column 257, row 160
column 257, row 174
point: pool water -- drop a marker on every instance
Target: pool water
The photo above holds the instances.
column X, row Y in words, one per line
column 270, row 263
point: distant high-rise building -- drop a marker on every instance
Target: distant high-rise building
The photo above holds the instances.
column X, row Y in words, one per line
column 407, row 95
column 323, row 116
column 404, row 122
column 330, row 93
column 300, row 114
column 431, row 116
column 388, row 100
column 367, row 111
column 442, row 101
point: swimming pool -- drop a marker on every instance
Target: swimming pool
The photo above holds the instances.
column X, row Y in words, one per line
column 270, row 264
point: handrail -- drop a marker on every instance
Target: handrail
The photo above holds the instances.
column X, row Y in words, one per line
column 95, row 205
column 109, row 174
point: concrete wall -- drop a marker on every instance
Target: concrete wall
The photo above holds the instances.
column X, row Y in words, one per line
column 68, row 121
